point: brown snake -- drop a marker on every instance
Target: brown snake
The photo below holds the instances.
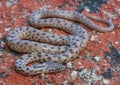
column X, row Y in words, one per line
column 51, row 50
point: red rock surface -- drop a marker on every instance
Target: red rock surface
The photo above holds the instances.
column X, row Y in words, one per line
column 99, row 63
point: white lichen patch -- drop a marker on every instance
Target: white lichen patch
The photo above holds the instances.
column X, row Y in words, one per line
column 97, row 58
column 93, row 38
column 117, row 42
column 70, row 65
column 7, row 29
column 65, row 82
column 106, row 82
column 87, row 9
column 74, row 75
column 2, row 44
column 89, row 76
column 9, row 3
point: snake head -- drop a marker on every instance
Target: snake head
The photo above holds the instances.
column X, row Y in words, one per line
column 54, row 67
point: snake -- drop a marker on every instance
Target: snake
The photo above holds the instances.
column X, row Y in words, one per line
column 48, row 51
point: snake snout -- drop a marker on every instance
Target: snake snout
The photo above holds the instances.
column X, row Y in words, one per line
column 54, row 67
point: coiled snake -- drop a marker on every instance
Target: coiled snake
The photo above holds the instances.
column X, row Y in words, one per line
column 40, row 45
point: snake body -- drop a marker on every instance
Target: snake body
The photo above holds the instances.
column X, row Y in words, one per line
column 51, row 50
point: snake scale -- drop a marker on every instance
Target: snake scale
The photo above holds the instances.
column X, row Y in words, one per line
column 51, row 50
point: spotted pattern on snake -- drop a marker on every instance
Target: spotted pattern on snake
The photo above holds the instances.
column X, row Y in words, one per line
column 51, row 50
